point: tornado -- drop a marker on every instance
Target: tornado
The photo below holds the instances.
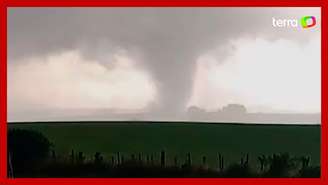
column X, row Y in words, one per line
column 169, row 39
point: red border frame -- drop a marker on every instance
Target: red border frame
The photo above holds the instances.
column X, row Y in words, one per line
column 161, row 3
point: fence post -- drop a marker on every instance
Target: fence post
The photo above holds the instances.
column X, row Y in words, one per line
column 163, row 158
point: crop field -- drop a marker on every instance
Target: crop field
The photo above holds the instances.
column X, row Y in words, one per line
column 177, row 139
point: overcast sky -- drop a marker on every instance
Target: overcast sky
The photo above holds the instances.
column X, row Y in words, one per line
column 159, row 61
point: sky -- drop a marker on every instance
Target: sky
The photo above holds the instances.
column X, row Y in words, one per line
column 156, row 63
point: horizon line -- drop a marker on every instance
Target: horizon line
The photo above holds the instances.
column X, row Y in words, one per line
column 157, row 122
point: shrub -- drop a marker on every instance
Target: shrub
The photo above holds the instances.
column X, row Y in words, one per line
column 28, row 150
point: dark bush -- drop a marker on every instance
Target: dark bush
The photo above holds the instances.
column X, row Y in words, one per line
column 28, row 149
column 280, row 165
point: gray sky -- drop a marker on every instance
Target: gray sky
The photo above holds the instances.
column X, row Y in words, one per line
column 157, row 62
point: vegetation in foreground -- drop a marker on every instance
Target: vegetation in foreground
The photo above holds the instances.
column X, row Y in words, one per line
column 179, row 138
column 31, row 154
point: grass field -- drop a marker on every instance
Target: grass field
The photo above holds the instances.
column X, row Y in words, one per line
column 177, row 139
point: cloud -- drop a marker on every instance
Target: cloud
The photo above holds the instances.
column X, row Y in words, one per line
column 68, row 81
column 276, row 76
column 164, row 43
column 169, row 39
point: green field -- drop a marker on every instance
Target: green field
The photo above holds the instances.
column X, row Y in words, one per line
column 177, row 139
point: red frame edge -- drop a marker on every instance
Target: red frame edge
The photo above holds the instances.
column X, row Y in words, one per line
column 161, row 3
column 3, row 91
column 324, row 80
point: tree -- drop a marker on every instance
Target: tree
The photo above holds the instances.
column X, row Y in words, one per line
column 28, row 150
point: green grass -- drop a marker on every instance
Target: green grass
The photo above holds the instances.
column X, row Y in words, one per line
column 231, row 140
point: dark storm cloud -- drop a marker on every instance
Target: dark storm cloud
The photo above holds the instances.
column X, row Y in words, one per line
column 168, row 39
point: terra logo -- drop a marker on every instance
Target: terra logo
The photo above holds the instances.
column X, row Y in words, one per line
column 308, row 21
column 304, row 22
